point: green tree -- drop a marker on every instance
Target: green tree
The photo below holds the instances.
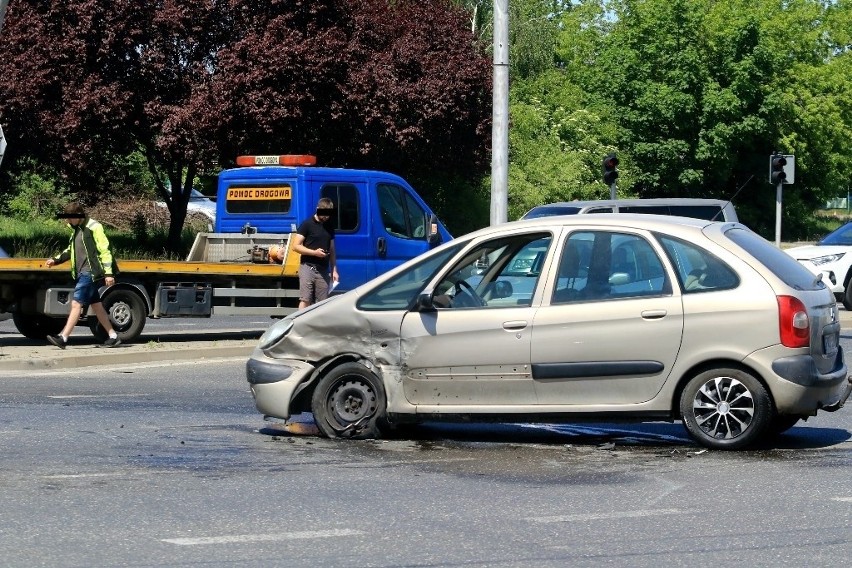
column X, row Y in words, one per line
column 706, row 91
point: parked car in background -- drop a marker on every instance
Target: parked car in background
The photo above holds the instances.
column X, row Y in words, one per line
column 595, row 318
column 198, row 203
column 710, row 209
column 830, row 258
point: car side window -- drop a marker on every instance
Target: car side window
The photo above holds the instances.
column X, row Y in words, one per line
column 698, row 270
column 345, row 199
column 604, row 265
column 401, row 215
column 401, row 291
column 500, row 273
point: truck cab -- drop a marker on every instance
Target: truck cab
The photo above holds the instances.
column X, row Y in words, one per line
column 380, row 221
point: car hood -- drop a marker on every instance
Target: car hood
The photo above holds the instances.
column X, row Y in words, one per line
column 813, row 251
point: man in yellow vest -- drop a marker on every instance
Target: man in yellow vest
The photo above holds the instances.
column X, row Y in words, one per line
column 92, row 262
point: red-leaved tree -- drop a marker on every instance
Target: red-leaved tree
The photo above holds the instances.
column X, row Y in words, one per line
column 398, row 85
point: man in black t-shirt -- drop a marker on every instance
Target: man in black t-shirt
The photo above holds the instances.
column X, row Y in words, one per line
column 314, row 241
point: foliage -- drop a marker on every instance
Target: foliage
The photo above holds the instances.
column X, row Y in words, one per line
column 694, row 95
column 39, row 196
column 41, row 239
column 556, row 142
column 400, row 86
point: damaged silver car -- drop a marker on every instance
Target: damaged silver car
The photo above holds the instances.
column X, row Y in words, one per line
column 585, row 318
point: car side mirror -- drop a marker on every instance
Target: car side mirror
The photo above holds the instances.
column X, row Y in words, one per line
column 619, row 279
column 433, row 237
column 424, row 302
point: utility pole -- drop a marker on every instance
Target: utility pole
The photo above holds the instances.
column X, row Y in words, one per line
column 500, row 116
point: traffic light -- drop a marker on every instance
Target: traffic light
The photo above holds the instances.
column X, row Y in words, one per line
column 610, row 173
column 776, row 169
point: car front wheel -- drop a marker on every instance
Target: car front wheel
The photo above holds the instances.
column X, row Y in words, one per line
column 726, row 409
column 349, row 402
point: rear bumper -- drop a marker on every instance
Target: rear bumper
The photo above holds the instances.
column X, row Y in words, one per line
column 801, row 389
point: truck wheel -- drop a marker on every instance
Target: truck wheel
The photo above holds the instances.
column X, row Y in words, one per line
column 726, row 409
column 37, row 326
column 126, row 311
column 349, row 402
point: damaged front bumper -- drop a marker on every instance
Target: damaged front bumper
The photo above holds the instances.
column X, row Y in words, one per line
column 273, row 382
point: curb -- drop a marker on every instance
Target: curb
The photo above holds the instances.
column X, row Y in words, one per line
column 125, row 356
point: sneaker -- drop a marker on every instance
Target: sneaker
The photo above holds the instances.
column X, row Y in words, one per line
column 57, row 340
column 112, row 342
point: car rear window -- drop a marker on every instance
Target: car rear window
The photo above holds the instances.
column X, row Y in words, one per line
column 784, row 266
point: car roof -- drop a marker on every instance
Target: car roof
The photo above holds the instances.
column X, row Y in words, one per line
column 633, row 202
column 616, row 220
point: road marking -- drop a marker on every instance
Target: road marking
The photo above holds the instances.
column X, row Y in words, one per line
column 123, row 395
column 843, row 499
column 603, row 516
column 83, row 475
column 240, row 538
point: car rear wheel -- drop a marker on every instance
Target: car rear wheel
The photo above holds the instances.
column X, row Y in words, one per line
column 726, row 409
column 349, row 402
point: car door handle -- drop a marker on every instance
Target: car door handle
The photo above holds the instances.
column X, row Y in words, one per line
column 654, row 314
column 516, row 325
column 382, row 247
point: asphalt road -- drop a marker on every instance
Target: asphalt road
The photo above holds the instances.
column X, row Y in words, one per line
column 169, row 464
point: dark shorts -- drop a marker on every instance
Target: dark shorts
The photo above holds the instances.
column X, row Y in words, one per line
column 313, row 283
column 86, row 291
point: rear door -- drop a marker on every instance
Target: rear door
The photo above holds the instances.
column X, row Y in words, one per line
column 612, row 329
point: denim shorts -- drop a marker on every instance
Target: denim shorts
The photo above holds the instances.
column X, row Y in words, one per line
column 86, row 291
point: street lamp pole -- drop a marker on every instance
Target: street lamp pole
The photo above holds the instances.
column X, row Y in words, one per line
column 500, row 116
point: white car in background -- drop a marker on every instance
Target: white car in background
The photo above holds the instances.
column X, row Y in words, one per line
column 832, row 259
column 198, row 203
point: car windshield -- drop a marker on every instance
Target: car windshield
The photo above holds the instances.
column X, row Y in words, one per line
column 841, row 236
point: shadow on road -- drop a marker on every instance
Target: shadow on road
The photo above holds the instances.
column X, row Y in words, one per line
column 647, row 435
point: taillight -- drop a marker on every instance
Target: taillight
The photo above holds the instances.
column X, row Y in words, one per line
column 793, row 322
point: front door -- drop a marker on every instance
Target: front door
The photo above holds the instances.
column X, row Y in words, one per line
column 474, row 347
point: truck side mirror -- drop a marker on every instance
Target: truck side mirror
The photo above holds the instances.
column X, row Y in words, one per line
column 433, row 237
